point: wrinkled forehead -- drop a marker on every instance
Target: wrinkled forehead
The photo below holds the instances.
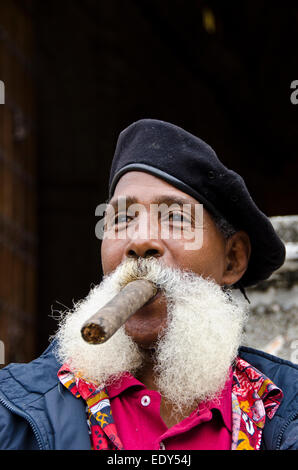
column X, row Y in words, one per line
column 147, row 188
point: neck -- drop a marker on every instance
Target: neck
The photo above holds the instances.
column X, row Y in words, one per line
column 148, row 377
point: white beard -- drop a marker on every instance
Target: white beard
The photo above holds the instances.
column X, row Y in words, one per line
column 193, row 354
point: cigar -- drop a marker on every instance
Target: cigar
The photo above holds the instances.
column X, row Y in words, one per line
column 104, row 323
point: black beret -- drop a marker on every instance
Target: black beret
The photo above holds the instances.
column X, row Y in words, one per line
column 188, row 163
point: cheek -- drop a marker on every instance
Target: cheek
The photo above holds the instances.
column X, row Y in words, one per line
column 208, row 261
column 213, row 261
column 110, row 256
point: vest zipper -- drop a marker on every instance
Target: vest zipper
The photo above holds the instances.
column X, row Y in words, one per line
column 22, row 414
column 278, row 441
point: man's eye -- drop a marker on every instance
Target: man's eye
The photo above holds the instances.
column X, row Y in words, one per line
column 120, row 219
column 178, row 217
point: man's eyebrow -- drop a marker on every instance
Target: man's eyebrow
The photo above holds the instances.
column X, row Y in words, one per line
column 168, row 199
column 171, row 199
column 128, row 200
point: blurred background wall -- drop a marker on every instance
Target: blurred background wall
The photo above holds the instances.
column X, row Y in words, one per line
column 76, row 73
column 18, row 184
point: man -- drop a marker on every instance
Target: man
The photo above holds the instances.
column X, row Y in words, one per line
column 174, row 375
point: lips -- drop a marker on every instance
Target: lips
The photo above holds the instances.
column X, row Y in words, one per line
column 155, row 297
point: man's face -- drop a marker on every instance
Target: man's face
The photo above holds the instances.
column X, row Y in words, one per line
column 208, row 261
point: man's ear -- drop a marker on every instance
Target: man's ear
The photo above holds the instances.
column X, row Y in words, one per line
column 238, row 250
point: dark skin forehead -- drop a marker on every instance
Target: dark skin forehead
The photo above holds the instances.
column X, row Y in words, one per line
column 159, row 199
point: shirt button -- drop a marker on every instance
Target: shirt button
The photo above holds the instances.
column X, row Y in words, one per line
column 162, row 446
column 145, row 400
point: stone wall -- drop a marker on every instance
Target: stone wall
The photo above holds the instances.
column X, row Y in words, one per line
column 273, row 321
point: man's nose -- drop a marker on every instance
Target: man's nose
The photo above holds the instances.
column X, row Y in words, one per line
column 144, row 236
column 144, row 248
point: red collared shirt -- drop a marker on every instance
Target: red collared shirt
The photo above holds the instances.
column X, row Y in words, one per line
column 136, row 412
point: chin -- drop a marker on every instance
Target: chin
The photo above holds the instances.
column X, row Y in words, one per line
column 145, row 335
column 142, row 339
